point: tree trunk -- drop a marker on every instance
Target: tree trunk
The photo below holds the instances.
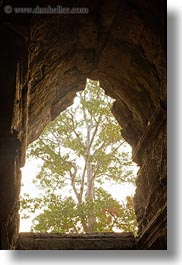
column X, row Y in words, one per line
column 90, row 183
column 90, row 197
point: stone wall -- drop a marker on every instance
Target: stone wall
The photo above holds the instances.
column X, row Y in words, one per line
column 13, row 53
column 101, row 241
column 46, row 60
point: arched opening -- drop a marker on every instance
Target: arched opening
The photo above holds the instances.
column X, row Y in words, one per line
column 83, row 170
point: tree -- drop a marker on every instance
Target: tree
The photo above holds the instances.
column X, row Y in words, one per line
column 80, row 150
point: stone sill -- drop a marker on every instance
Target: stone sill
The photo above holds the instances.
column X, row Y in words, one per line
column 96, row 241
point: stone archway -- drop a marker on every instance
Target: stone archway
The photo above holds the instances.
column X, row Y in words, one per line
column 121, row 44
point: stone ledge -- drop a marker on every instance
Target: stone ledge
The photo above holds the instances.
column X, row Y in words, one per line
column 97, row 241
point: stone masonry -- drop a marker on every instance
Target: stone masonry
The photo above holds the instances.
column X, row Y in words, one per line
column 45, row 60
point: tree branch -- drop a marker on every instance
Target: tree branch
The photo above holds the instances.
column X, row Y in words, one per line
column 99, row 148
column 95, row 173
column 75, row 132
column 83, row 179
column 72, row 178
column 52, row 151
column 94, row 133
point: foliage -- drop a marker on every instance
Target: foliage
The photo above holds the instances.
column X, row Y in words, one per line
column 64, row 215
column 80, row 150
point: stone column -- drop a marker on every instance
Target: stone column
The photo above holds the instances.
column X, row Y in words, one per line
column 9, row 143
column 10, row 180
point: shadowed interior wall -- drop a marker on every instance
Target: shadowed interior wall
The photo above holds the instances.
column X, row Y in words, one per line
column 120, row 43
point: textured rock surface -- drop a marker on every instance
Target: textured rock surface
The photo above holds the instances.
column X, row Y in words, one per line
column 46, row 60
column 12, row 139
column 110, row 44
column 102, row 241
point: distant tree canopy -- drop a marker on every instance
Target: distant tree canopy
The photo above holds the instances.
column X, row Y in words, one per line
column 80, row 150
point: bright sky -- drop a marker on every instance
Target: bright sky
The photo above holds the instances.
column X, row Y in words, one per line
column 32, row 167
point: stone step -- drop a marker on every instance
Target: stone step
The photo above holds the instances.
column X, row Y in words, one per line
column 96, row 241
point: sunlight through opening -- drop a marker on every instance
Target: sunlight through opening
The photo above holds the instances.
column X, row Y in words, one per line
column 79, row 176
